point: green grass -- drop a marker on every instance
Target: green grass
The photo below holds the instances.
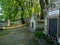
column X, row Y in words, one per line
column 4, row 32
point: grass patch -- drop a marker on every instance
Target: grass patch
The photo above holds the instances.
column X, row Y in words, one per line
column 4, row 32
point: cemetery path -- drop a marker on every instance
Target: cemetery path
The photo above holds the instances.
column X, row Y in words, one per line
column 17, row 36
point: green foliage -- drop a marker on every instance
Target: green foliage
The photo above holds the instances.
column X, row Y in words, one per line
column 37, row 8
column 19, row 8
column 49, row 40
column 39, row 35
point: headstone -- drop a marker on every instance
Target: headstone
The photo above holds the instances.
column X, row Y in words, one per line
column 32, row 23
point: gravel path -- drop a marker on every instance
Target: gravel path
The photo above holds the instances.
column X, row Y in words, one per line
column 17, row 36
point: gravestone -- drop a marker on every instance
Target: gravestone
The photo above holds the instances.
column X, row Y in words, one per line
column 52, row 21
column 33, row 23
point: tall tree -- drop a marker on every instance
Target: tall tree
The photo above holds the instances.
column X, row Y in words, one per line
column 21, row 4
column 10, row 8
column 42, row 4
column 22, row 8
column 47, row 2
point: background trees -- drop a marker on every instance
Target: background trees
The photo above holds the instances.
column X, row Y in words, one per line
column 21, row 9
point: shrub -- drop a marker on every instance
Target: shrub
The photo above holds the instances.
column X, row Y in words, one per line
column 39, row 34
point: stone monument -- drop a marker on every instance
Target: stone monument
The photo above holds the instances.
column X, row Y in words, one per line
column 52, row 20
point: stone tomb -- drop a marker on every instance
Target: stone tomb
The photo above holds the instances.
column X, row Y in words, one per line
column 35, row 24
column 52, row 22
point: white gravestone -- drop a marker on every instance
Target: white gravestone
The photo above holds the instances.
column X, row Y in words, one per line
column 32, row 23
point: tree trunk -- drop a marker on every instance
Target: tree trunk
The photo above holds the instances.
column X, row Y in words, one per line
column 47, row 2
column 42, row 15
column 9, row 22
column 42, row 4
column 22, row 18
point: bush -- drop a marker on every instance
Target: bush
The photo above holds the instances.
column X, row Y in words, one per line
column 40, row 35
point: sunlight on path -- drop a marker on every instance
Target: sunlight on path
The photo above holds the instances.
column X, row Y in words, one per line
column 20, row 25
